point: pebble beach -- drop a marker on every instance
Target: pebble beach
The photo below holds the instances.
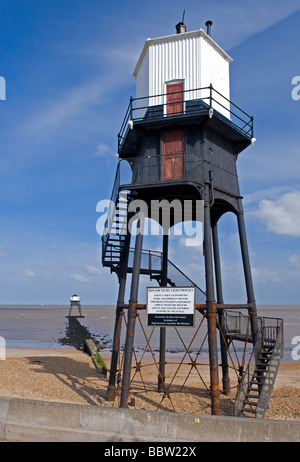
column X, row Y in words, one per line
column 69, row 376
column 38, row 367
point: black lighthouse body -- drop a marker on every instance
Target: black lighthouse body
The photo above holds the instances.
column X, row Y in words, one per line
column 181, row 137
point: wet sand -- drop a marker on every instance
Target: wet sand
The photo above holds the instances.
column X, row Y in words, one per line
column 45, row 326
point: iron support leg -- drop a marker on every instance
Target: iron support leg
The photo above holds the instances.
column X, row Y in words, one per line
column 211, row 310
column 163, row 330
column 131, row 320
column 225, row 370
column 118, row 322
column 247, row 270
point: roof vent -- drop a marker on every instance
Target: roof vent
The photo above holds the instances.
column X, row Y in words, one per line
column 208, row 25
column 180, row 27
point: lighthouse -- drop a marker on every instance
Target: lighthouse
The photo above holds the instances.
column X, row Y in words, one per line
column 180, row 140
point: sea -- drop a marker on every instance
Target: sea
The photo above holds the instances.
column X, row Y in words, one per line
column 46, row 326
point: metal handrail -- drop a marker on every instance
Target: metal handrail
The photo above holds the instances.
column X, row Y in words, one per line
column 137, row 112
column 274, row 333
column 111, row 210
column 139, row 165
column 245, row 382
column 267, row 333
column 150, row 254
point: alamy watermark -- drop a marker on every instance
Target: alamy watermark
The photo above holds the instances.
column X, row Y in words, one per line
column 296, row 349
column 186, row 216
column 2, row 349
column 296, row 89
column 2, row 88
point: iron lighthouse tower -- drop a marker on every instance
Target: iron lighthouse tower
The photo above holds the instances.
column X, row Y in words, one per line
column 180, row 139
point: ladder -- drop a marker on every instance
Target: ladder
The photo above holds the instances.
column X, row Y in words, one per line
column 113, row 240
column 258, row 381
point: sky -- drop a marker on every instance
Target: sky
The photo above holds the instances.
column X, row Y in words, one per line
column 68, row 66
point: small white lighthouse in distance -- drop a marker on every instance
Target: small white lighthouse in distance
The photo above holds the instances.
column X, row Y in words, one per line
column 75, row 302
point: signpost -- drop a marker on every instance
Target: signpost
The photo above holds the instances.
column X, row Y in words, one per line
column 170, row 306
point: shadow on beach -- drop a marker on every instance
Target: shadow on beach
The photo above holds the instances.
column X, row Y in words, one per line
column 76, row 333
column 80, row 377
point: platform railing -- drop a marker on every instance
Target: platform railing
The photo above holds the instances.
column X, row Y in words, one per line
column 191, row 103
column 147, row 170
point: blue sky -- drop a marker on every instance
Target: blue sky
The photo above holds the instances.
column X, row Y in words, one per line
column 68, row 70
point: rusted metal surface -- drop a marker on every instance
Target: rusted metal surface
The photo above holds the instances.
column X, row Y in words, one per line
column 179, row 371
column 163, row 330
column 132, row 311
column 111, row 390
column 128, row 353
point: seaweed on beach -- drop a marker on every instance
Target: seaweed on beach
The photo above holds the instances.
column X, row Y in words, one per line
column 76, row 334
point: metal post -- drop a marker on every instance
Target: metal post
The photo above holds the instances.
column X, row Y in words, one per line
column 163, row 330
column 131, row 319
column 118, row 321
column 247, row 270
column 210, row 95
column 131, row 111
column 211, row 309
column 225, row 371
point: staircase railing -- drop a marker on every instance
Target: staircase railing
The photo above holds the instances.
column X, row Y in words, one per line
column 111, row 210
column 237, row 325
column 151, row 263
column 245, row 382
column 272, row 335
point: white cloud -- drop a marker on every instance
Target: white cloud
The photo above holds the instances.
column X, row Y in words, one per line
column 79, row 278
column 103, row 150
column 295, row 261
column 265, row 275
column 55, row 116
column 281, row 216
column 233, row 240
column 93, row 270
column 27, row 273
column 270, row 193
column 242, row 18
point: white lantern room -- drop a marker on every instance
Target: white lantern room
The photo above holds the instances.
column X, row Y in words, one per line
column 187, row 62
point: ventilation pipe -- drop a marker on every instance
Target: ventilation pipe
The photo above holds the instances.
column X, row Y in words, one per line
column 208, row 25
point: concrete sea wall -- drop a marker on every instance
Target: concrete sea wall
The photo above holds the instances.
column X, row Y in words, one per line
column 27, row 420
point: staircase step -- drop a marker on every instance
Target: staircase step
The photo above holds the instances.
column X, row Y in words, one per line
column 253, row 411
column 250, row 403
column 115, row 240
column 251, row 395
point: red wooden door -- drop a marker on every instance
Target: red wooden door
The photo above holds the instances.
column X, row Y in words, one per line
column 174, row 98
column 173, row 142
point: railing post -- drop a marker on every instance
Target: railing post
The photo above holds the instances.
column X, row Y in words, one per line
column 131, row 109
column 210, row 95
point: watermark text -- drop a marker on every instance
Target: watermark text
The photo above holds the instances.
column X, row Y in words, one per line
column 2, row 349
column 151, row 219
column 296, row 89
column 2, row 88
column 296, row 349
